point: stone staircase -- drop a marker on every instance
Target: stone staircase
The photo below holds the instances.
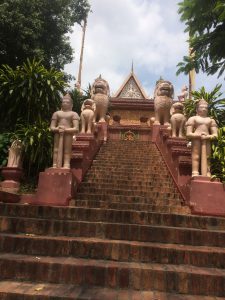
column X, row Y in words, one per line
column 127, row 236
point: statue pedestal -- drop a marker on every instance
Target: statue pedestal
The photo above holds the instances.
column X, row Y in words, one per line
column 84, row 150
column 157, row 129
column 12, row 176
column 102, row 128
column 207, row 197
column 55, row 187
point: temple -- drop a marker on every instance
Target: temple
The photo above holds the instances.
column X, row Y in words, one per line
column 128, row 218
column 130, row 103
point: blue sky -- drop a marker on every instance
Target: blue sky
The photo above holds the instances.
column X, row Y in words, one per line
column 149, row 32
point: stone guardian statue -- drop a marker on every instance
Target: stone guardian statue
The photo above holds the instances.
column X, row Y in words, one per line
column 201, row 129
column 64, row 124
column 100, row 95
column 184, row 94
column 15, row 154
column 87, row 116
column 177, row 120
column 163, row 95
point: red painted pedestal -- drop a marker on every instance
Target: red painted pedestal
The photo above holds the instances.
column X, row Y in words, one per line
column 12, row 178
column 207, row 197
column 9, row 197
column 55, row 187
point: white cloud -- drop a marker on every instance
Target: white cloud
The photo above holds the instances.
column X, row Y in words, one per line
column 148, row 32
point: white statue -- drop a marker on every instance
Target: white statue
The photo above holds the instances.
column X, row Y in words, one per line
column 201, row 129
column 100, row 94
column 184, row 94
column 15, row 155
column 87, row 116
column 163, row 95
column 177, row 120
column 64, row 124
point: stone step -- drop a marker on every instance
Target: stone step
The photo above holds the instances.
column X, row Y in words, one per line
column 127, row 154
column 141, row 149
column 119, row 164
column 130, row 144
column 137, row 149
column 108, row 159
column 145, row 152
column 118, row 216
column 139, row 146
column 115, row 231
column 151, row 178
column 152, row 198
column 116, row 250
column 16, row 290
column 119, row 173
column 115, row 174
column 130, row 169
column 174, row 209
column 124, row 175
column 69, row 213
column 102, row 188
column 132, row 178
column 129, row 183
column 138, row 177
column 111, row 274
column 111, row 159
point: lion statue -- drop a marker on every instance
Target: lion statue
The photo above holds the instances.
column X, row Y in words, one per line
column 87, row 116
column 100, row 95
column 177, row 120
column 163, row 95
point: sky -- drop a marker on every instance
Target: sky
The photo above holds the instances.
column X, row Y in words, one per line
column 147, row 32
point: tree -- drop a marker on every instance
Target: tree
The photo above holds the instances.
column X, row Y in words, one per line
column 215, row 103
column 79, row 98
column 205, row 22
column 38, row 28
column 218, row 156
column 29, row 94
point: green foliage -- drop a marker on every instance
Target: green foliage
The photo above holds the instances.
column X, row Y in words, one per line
column 28, row 186
column 78, row 98
column 29, row 93
column 39, row 28
column 38, row 142
column 216, row 106
column 218, row 156
column 205, row 22
column 5, row 142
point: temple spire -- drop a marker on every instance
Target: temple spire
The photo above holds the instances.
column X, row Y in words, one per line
column 132, row 67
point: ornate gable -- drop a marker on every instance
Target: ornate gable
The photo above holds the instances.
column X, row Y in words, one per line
column 131, row 88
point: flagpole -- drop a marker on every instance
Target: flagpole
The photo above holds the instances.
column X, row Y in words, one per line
column 192, row 73
column 78, row 83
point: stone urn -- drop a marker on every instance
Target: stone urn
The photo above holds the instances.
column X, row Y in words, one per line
column 12, row 177
column 116, row 120
column 143, row 121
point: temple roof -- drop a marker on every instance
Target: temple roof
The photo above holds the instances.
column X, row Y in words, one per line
column 131, row 88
